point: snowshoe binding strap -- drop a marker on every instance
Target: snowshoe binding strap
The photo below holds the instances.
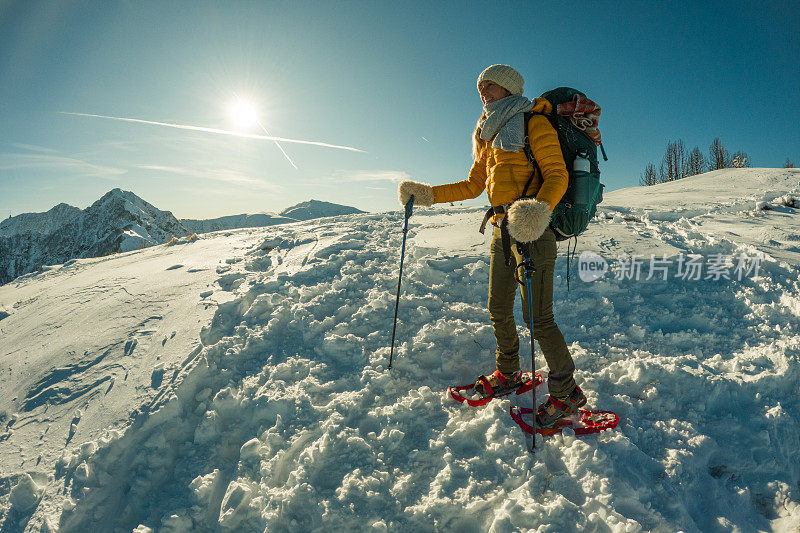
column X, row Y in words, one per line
column 487, row 387
column 561, row 408
column 506, row 383
column 526, row 384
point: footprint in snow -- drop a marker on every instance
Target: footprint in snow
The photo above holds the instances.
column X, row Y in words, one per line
column 157, row 377
column 229, row 282
column 130, row 346
column 73, row 426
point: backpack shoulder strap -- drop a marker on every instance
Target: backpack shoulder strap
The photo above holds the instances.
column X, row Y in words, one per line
column 527, row 146
column 529, row 153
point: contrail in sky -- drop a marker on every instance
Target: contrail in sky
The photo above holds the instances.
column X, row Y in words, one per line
column 221, row 132
column 289, row 159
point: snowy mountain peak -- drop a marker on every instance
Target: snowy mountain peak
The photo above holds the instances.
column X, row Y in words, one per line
column 118, row 194
column 42, row 223
column 128, row 200
column 119, row 221
column 318, row 209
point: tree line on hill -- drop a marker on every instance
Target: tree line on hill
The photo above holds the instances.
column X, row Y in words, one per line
column 677, row 163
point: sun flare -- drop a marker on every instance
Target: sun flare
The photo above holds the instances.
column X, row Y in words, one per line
column 243, row 114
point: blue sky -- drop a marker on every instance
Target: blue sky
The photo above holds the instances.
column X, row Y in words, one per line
column 396, row 80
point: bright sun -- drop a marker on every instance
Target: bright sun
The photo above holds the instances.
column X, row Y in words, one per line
column 244, row 114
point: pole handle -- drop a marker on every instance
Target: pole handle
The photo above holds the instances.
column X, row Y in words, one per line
column 410, row 207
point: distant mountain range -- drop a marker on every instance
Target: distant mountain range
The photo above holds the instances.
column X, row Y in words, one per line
column 234, row 221
column 302, row 211
column 120, row 221
column 316, row 209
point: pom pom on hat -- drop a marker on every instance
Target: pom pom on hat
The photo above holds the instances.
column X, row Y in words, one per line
column 504, row 76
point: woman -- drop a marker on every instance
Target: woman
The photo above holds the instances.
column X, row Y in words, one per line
column 503, row 170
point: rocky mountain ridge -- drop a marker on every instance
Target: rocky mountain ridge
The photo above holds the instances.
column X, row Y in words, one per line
column 120, row 221
column 42, row 223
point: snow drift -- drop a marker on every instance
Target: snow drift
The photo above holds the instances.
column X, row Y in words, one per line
column 239, row 382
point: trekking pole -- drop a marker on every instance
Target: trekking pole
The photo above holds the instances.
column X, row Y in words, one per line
column 529, row 271
column 409, row 208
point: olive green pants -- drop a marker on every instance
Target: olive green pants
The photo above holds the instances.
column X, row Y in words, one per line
column 502, row 291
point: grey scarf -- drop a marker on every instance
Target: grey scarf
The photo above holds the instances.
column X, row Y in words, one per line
column 504, row 120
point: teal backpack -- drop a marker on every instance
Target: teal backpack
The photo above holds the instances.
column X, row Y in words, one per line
column 579, row 204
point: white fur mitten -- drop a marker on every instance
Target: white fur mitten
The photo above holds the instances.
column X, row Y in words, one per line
column 423, row 193
column 527, row 219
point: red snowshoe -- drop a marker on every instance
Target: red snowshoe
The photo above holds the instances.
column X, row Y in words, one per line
column 582, row 422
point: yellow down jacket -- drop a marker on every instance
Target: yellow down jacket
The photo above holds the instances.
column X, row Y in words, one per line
column 504, row 174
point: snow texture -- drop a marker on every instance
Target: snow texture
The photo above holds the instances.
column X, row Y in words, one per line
column 247, row 388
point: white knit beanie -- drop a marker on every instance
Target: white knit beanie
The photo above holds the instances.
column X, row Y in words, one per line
column 504, row 76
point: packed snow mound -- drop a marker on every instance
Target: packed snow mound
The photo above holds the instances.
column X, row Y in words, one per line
column 729, row 191
column 757, row 206
column 282, row 415
column 256, row 220
column 41, row 223
column 316, row 209
column 120, row 221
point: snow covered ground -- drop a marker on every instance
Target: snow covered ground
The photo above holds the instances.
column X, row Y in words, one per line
column 239, row 382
